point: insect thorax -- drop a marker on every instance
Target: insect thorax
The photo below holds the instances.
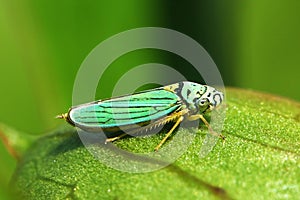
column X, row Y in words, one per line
column 189, row 93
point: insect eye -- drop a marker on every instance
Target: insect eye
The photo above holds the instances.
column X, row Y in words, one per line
column 203, row 102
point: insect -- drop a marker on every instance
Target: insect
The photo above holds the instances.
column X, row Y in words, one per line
column 147, row 109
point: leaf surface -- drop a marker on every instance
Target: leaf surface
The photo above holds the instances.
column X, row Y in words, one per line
column 259, row 160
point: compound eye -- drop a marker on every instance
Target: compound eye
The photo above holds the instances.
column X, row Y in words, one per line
column 203, row 102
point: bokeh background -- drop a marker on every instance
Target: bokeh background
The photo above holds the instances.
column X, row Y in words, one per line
column 254, row 43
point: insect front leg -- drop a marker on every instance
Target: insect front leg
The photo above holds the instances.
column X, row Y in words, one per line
column 199, row 116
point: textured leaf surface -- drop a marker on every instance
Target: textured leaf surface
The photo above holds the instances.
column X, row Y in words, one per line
column 259, row 160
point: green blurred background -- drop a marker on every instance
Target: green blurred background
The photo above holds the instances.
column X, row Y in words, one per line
column 254, row 43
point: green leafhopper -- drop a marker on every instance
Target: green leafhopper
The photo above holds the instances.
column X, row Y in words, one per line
column 147, row 109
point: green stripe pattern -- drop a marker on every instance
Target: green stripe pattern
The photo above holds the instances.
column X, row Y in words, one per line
column 142, row 107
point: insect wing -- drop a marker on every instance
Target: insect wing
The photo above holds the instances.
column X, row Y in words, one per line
column 126, row 110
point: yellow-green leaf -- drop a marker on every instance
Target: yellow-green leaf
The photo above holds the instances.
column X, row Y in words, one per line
column 259, row 160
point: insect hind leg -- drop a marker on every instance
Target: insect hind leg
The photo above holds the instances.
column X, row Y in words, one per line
column 180, row 119
column 115, row 138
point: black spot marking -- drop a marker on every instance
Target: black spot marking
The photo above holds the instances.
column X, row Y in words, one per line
column 188, row 92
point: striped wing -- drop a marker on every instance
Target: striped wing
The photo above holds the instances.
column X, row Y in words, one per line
column 123, row 111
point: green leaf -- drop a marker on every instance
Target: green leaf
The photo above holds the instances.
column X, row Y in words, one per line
column 259, row 160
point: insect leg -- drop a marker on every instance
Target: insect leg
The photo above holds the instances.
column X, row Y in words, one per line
column 115, row 138
column 158, row 123
column 180, row 119
column 195, row 117
column 130, row 133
